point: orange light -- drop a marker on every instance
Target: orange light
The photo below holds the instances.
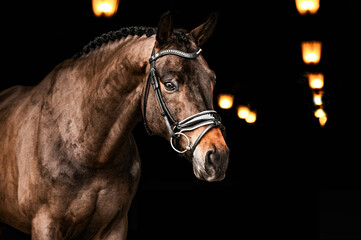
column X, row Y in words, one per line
column 243, row 112
column 307, row 6
column 225, row 101
column 105, row 8
column 311, row 52
column 323, row 120
column 251, row 118
column 317, row 98
column 320, row 113
column 316, row 80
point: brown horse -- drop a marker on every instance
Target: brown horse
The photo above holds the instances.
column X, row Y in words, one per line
column 69, row 165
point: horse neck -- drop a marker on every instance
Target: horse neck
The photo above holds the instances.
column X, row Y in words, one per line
column 98, row 98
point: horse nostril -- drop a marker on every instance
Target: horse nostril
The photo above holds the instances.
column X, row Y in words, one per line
column 212, row 159
column 215, row 164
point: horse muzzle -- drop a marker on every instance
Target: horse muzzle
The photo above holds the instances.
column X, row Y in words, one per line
column 210, row 158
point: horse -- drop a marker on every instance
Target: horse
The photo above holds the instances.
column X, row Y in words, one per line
column 69, row 163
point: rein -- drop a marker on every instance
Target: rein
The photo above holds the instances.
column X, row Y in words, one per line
column 209, row 118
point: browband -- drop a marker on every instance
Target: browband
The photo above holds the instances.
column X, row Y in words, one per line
column 174, row 52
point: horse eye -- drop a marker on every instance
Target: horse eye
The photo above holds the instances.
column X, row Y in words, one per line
column 169, row 86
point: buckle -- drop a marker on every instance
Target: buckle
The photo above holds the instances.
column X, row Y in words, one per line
column 177, row 135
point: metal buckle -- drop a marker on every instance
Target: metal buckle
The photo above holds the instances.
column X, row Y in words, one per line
column 188, row 147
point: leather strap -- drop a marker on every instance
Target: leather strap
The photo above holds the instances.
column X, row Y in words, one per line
column 174, row 52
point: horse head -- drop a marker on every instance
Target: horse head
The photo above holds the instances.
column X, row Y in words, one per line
column 183, row 87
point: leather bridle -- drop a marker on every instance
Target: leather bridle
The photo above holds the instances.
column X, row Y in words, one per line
column 209, row 118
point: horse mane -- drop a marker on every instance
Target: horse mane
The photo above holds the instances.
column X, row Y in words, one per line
column 179, row 34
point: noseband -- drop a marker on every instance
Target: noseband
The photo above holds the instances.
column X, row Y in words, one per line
column 209, row 118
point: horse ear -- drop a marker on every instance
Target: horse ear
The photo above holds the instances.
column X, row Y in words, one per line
column 165, row 29
column 204, row 31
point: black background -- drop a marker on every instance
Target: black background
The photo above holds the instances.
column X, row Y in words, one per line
column 288, row 178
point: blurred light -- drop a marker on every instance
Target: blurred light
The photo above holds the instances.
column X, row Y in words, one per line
column 320, row 113
column 225, row 101
column 317, row 98
column 311, row 52
column 105, row 8
column 315, row 80
column 323, row 120
column 243, row 112
column 251, row 118
column 307, row 6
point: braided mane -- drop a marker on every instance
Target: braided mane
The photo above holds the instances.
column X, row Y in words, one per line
column 179, row 34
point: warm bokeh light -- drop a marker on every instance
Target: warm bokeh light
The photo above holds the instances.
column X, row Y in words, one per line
column 317, row 98
column 316, row 80
column 311, row 52
column 320, row 113
column 106, row 8
column 251, row 117
column 225, row 101
column 307, row 6
column 323, row 120
column 242, row 112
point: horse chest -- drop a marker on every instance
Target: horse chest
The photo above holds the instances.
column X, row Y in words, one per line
column 92, row 204
column 93, row 208
column 105, row 197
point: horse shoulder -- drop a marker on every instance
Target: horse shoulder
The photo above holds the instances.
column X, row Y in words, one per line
column 98, row 196
column 13, row 102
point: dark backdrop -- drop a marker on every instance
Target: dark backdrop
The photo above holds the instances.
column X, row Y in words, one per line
column 288, row 178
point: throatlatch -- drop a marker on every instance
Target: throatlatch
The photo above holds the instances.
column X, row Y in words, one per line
column 209, row 118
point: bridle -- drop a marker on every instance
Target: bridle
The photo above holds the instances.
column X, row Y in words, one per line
column 209, row 118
